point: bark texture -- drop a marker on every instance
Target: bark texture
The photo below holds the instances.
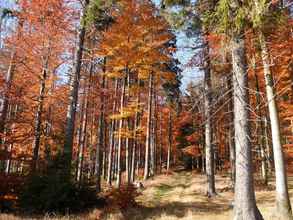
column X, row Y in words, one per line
column 245, row 205
column 283, row 205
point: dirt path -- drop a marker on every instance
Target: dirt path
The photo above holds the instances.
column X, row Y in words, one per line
column 182, row 196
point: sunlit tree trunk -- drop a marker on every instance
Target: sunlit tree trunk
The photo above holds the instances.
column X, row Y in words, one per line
column 135, row 140
column 169, row 140
column 5, row 101
column 73, row 92
column 245, row 204
column 153, row 135
column 261, row 139
column 119, row 149
column 127, row 141
column 209, row 151
column 160, row 144
column 112, row 138
column 283, row 205
column 148, row 131
column 83, row 130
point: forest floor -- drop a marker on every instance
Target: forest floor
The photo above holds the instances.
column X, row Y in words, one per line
column 181, row 195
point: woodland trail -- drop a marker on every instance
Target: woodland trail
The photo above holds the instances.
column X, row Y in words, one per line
column 181, row 195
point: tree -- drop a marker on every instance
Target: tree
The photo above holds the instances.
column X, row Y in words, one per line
column 231, row 20
column 262, row 12
column 74, row 86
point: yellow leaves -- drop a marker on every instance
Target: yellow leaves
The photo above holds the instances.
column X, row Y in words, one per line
column 130, row 134
column 127, row 112
column 115, row 75
column 143, row 74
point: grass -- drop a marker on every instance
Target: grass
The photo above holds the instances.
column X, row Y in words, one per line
column 180, row 196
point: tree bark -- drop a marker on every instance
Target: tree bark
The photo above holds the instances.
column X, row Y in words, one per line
column 112, row 138
column 231, row 132
column 283, row 205
column 100, row 134
column 245, row 203
column 169, row 140
column 135, row 141
column 148, row 132
column 210, row 171
column 73, row 93
column 38, row 117
column 261, row 139
column 83, row 130
column 118, row 180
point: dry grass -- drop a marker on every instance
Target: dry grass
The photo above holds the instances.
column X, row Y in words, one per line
column 179, row 196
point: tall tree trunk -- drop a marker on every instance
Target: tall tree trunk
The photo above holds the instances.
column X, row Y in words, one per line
column 210, row 172
column 169, row 140
column 160, row 142
column 83, row 130
column 127, row 141
column 135, row 141
column 118, row 180
column 100, row 135
column 153, row 134
column 73, row 92
column 112, row 138
column 148, row 132
column 245, row 204
column 231, row 131
column 283, row 205
column 38, row 117
column 261, row 139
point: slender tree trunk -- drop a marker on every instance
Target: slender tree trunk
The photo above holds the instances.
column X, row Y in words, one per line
column 231, row 132
column 160, row 142
column 153, row 135
column 112, row 138
column 38, row 117
column 118, row 180
column 135, row 141
column 283, row 205
column 83, row 130
column 261, row 139
column 5, row 101
column 127, row 141
column 169, row 140
column 148, row 132
column 245, row 204
column 73, row 92
column 210, row 172
column 100, row 135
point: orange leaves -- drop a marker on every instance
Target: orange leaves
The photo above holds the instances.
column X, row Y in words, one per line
column 136, row 40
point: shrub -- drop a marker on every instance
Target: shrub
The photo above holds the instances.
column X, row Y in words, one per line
column 9, row 189
column 123, row 197
column 53, row 191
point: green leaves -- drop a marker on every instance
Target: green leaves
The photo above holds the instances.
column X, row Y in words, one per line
column 98, row 14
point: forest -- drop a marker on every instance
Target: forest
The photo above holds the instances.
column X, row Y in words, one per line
column 146, row 109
